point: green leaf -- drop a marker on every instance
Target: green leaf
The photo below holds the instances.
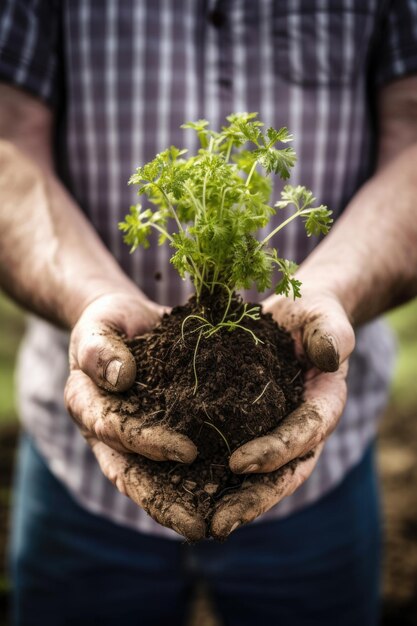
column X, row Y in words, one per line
column 200, row 126
column 288, row 284
column 276, row 161
column 282, row 135
column 318, row 221
column 210, row 206
column 243, row 127
column 300, row 196
column 251, row 265
column 136, row 228
column 244, row 160
column 186, row 253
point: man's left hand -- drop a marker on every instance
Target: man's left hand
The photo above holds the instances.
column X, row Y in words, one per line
column 279, row 463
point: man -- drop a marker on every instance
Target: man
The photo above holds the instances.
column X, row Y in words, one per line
column 90, row 90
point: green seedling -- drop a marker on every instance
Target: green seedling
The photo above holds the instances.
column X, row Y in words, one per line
column 210, row 208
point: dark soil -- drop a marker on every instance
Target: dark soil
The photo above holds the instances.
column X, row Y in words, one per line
column 243, row 390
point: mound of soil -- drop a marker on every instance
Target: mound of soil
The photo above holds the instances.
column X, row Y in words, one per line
column 220, row 391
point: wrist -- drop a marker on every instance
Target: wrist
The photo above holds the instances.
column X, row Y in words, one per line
column 320, row 280
column 318, row 284
column 98, row 288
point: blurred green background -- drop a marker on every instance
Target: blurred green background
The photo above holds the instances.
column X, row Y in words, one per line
column 397, row 461
column 11, row 328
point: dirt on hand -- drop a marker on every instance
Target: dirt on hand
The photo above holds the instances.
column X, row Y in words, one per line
column 221, row 391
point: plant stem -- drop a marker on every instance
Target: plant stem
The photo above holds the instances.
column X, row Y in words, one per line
column 171, row 208
column 204, row 191
column 214, row 281
column 262, row 392
column 203, row 139
column 229, row 302
column 197, row 279
column 194, row 361
column 296, row 376
column 277, row 229
column 226, row 189
column 232, row 326
column 195, row 317
column 302, row 211
column 229, row 151
column 162, row 231
column 252, row 169
column 221, row 435
column 195, row 200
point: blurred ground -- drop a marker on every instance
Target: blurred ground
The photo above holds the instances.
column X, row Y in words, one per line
column 397, row 460
column 398, row 468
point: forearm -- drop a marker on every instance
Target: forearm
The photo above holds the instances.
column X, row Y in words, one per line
column 51, row 260
column 369, row 259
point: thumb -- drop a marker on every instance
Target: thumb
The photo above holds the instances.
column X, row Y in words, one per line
column 328, row 337
column 100, row 352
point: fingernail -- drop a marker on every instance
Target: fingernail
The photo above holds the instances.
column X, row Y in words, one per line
column 235, row 525
column 112, row 371
column 254, row 467
column 176, row 455
column 334, row 358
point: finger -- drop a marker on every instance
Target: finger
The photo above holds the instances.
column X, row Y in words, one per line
column 133, row 479
column 328, row 337
column 116, row 422
column 102, row 354
column 299, row 432
column 259, row 493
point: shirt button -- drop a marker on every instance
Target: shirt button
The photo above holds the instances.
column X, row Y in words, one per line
column 225, row 82
column 217, row 18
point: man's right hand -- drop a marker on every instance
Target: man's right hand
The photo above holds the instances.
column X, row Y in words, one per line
column 51, row 261
column 102, row 366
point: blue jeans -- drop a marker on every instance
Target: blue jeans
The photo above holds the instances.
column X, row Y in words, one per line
column 71, row 568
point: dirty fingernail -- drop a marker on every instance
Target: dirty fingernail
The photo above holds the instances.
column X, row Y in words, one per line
column 323, row 352
column 112, row 371
column 234, row 527
column 173, row 455
column 332, row 342
column 253, row 467
column 333, row 357
column 182, row 456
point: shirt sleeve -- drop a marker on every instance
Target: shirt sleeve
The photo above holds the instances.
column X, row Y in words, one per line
column 28, row 46
column 396, row 53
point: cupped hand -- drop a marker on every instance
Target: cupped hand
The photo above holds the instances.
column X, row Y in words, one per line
column 280, row 462
column 102, row 366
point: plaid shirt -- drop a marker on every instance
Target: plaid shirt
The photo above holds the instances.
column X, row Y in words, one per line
column 122, row 77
